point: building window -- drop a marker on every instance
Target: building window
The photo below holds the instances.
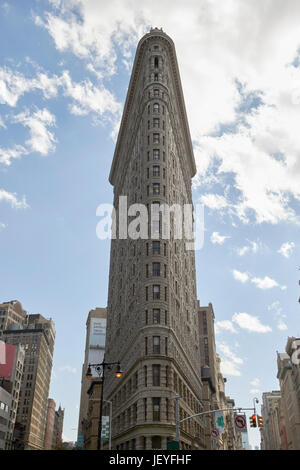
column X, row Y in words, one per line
column 156, row 315
column 156, row 188
column 156, row 292
column 156, row 375
column 156, row 138
column 146, row 346
column 156, row 248
column 156, row 108
column 156, row 123
column 156, row 344
column 156, row 412
column 156, row 92
column 156, row 62
column 156, row 77
column 156, row 171
column 145, row 376
column 156, row 269
column 156, row 155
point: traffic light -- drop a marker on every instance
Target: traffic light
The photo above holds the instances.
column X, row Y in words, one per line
column 260, row 423
column 253, row 421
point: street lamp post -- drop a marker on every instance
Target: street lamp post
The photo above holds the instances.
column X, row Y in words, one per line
column 176, row 398
column 100, row 368
column 255, row 400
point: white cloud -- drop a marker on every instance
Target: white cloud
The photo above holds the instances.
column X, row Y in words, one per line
column 261, row 283
column 89, row 98
column 250, row 323
column 2, row 226
column 41, row 140
column 242, row 251
column 92, row 33
column 265, row 283
column 214, row 201
column 286, row 249
column 229, row 368
column 85, row 97
column 7, row 155
column 253, row 247
column 281, row 325
column 255, row 382
column 239, row 276
column 12, row 199
column 279, row 316
column 217, row 238
column 2, row 123
column 224, row 325
column 230, row 363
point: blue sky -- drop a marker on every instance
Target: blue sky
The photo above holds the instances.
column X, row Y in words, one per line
column 64, row 70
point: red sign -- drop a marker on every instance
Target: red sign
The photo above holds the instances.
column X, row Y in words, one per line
column 240, row 422
column 6, row 369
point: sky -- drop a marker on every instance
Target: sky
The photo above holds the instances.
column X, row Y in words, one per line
column 64, row 71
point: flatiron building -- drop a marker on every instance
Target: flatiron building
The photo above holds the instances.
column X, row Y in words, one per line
column 152, row 323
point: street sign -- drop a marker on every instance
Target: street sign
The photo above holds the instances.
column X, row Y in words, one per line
column 240, row 422
column 214, row 433
column 172, row 445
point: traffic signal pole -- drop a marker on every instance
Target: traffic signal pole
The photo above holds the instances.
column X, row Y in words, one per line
column 214, row 411
column 202, row 414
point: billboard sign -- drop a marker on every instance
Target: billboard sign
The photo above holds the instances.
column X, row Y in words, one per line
column 7, row 359
column 98, row 332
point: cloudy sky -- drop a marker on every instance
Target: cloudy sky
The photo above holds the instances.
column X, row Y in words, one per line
column 64, row 71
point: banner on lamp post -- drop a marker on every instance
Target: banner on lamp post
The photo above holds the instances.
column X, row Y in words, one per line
column 219, row 419
column 105, row 429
